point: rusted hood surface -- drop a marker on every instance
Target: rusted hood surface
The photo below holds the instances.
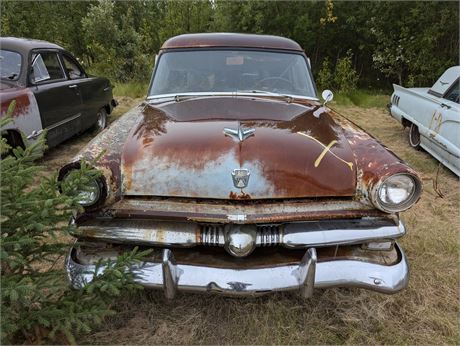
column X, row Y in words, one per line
column 180, row 149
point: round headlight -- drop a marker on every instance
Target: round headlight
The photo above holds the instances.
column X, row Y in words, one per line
column 87, row 192
column 397, row 193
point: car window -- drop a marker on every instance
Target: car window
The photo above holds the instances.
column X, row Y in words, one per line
column 72, row 68
column 231, row 71
column 453, row 93
column 46, row 67
column 10, row 64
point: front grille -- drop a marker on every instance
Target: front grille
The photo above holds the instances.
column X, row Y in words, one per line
column 212, row 235
column 267, row 235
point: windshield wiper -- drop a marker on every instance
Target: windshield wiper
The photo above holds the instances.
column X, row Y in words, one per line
column 268, row 93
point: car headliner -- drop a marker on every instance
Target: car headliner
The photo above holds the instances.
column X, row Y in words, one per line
column 209, row 40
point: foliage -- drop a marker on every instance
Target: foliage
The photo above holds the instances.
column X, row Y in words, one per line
column 113, row 43
column 345, row 77
column 422, row 47
column 37, row 304
column 325, row 78
column 391, row 41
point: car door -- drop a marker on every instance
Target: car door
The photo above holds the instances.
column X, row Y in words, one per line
column 446, row 128
column 58, row 97
column 93, row 90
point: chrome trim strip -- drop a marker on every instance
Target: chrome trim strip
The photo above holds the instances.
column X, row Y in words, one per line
column 170, row 277
column 34, row 134
column 234, row 94
column 62, row 122
column 296, row 235
column 330, row 232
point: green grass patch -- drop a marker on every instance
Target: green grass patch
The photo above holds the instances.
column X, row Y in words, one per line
column 130, row 89
column 363, row 98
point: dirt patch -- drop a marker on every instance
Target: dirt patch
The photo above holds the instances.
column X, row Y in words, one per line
column 426, row 312
column 62, row 154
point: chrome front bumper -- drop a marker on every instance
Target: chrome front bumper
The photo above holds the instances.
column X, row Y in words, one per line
column 294, row 235
column 304, row 276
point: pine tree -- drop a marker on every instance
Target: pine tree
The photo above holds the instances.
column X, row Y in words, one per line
column 38, row 306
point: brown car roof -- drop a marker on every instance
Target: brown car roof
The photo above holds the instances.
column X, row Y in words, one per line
column 231, row 40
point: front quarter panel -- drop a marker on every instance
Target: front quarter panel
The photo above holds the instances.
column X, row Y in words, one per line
column 374, row 161
column 26, row 115
column 104, row 152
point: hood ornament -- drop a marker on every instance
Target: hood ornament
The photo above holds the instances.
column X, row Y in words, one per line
column 240, row 177
column 239, row 134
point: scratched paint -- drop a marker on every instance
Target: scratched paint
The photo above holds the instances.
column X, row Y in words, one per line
column 327, row 149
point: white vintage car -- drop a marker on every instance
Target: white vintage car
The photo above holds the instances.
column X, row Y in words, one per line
column 433, row 116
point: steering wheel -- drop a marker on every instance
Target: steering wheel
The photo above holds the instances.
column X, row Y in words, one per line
column 271, row 82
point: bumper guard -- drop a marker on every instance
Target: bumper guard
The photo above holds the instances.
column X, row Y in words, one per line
column 303, row 277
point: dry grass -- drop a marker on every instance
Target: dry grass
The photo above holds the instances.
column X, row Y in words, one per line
column 427, row 312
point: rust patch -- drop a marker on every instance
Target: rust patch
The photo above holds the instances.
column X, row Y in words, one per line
column 230, row 40
column 241, row 196
column 22, row 98
column 179, row 149
column 250, row 211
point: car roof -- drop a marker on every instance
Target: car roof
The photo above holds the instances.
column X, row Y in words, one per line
column 209, row 40
column 24, row 45
column 446, row 80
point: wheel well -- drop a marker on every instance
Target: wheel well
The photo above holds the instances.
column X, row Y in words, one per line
column 107, row 109
column 405, row 122
column 13, row 138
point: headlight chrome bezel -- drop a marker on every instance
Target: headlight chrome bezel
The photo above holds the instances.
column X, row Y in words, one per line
column 97, row 182
column 399, row 207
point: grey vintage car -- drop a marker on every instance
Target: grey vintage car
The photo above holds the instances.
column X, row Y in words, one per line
column 433, row 116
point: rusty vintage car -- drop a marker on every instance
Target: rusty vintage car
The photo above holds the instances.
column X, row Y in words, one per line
column 241, row 180
column 51, row 92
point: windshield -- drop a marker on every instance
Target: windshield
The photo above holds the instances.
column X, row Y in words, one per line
column 232, row 71
column 10, row 64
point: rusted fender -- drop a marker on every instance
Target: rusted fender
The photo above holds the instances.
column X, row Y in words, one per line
column 26, row 115
column 374, row 161
column 104, row 152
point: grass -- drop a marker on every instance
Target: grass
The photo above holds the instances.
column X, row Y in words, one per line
column 361, row 98
column 130, row 89
column 427, row 312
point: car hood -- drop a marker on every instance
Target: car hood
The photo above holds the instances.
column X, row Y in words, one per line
column 180, row 149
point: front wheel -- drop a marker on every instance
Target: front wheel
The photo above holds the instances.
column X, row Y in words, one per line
column 101, row 122
column 414, row 137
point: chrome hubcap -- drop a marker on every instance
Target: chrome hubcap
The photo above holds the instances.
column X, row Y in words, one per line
column 101, row 120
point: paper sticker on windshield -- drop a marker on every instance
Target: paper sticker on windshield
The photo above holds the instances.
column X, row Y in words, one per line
column 235, row 60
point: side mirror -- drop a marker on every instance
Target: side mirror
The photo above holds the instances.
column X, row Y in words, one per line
column 327, row 96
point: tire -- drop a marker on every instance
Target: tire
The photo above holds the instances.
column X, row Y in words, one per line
column 14, row 140
column 414, row 137
column 101, row 122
